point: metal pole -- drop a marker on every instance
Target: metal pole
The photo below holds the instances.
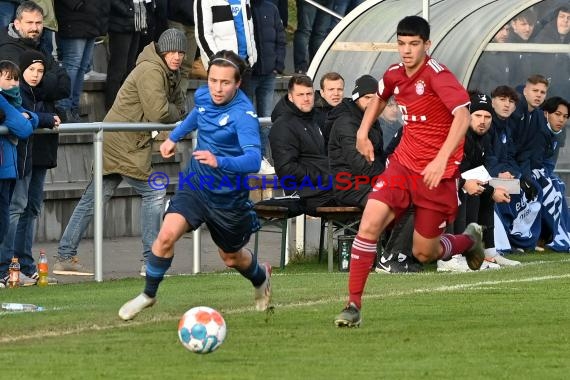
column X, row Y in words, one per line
column 425, row 10
column 98, row 206
column 196, row 234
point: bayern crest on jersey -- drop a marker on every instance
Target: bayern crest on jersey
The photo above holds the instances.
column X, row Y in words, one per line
column 420, row 87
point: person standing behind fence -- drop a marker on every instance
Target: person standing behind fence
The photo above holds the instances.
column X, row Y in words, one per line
column 21, row 124
column 181, row 16
column 151, row 93
column 36, row 153
column 227, row 148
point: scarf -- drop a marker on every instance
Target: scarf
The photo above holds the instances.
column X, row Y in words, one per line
column 140, row 15
column 13, row 96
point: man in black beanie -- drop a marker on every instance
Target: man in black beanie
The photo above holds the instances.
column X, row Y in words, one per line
column 477, row 196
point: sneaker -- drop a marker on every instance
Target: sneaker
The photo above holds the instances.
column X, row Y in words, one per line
column 263, row 292
column 28, row 280
column 348, row 317
column 3, row 282
column 143, row 270
column 503, row 261
column 130, row 309
column 457, row 263
column 69, row 266
column 36, row 277
column 487, row 264
column 94, row 75
column 266, row 168
column 400, row 264
column 476, row 254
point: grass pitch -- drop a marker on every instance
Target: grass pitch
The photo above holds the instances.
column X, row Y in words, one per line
column 505, row 324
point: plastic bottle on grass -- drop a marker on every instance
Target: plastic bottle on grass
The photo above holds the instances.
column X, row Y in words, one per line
column 11, row 306
column 43, row 269
column 14, row 273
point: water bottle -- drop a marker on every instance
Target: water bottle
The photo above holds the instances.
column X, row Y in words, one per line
column 14, row 276
column 10, row 306
column 43, row 269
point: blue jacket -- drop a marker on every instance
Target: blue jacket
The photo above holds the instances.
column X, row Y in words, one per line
column 500, row 156
column 269, row 38
column 231, row 133
column 19, row 127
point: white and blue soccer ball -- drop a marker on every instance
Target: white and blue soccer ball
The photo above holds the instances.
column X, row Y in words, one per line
column 202, row 330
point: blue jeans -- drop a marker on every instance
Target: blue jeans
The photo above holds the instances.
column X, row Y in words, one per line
column 75, row 55
column 263, row 87
column 151, row 213
column 7, row 13
column 343, row 7
column 26, row 224
column 312, row 28
column 17, row 206
column 46, row 42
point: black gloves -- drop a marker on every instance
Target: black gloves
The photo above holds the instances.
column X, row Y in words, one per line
column 529, row 188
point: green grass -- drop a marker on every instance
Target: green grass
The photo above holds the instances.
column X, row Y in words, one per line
column 506, row 324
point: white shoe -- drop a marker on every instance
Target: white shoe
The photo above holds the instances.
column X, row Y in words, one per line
column 457, row 263
column 130, row 309
column 489, row 265
column 266, row 168
column 143, row 270
column 263, row 292
column 503, row 261
column 94, row 75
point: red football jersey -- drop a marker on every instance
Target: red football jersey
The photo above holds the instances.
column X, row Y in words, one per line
column 427, row 101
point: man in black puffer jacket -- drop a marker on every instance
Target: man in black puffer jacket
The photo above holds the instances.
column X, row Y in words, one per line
column 298, row 147
column 345, row 161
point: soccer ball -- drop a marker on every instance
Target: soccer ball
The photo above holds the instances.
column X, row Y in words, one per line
column 202, row 330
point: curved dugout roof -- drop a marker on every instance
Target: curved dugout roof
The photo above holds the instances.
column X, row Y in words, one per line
column 460, row 31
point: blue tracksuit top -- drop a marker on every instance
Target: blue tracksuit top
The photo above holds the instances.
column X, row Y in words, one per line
column 231, row 133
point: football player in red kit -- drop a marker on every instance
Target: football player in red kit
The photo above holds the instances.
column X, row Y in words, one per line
column 435, row 111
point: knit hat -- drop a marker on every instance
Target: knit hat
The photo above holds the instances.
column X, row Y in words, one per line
column 172, row 40
column 29, row 57
column 364, row 85
column 480, row 102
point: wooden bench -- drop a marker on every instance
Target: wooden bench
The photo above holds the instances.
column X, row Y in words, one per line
column 276, row 215
column 345, row 218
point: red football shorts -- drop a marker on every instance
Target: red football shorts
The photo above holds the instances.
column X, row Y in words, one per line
column 398, row 187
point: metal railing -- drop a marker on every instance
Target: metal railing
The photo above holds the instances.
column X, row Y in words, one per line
column 97, row 129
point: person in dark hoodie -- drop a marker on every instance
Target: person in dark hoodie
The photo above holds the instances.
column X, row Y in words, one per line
column 345, row 161
column 23, row 35
column 298, row 146
column 28, row 193
column 477, row 197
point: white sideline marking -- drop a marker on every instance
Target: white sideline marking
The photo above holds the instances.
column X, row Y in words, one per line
column 322, row 301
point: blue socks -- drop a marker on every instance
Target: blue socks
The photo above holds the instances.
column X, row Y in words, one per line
column 156, row 267
column 253, row 273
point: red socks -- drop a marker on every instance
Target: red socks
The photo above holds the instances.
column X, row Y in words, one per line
column 362, row 257
column 453, row 245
